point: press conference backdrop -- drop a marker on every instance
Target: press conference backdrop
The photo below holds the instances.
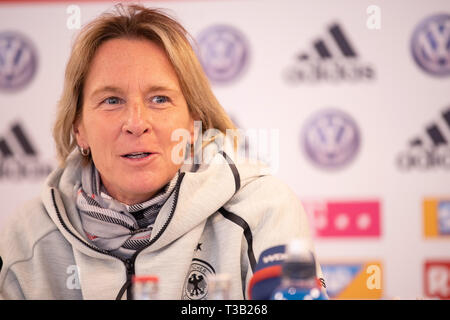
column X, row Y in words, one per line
column 349, row 101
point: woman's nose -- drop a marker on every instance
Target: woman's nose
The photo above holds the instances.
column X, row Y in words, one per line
column 136, row 122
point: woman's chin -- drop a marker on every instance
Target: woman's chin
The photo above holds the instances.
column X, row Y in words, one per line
column 139, row 192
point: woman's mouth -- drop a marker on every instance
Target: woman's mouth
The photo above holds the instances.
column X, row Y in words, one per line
column 136, row 155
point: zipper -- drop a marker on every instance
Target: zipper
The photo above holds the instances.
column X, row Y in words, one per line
column 129, row 263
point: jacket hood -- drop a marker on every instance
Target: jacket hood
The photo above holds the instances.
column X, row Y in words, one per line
column 202, row 190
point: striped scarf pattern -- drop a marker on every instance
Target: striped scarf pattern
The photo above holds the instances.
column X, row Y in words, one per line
column 111, row 225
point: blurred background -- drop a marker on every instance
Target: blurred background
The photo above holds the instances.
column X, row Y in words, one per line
column 350, row 100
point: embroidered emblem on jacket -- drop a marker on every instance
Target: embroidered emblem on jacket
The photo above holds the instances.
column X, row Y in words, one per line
column 196, row 283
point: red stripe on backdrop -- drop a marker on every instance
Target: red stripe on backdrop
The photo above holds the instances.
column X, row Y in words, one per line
column 54, row 1
column 85, row 1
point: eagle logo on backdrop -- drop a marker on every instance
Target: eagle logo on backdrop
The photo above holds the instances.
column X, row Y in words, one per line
column 196, row 283
column 223, row 52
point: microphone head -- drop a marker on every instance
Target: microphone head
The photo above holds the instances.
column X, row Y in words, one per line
column 295, row 260
column 273, row 256
column 267, row 274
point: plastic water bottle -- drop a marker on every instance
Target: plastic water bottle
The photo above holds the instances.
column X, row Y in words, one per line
column 219, row 287
column 145, row 288
column 298, row 275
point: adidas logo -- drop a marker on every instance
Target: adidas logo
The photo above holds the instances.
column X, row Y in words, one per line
column 18, row 157
column 430, row 149
column 19, row 140
column 332, row 58
column 437, row 134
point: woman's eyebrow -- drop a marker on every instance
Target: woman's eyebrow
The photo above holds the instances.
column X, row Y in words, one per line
column 113, row 89
column 156, row 88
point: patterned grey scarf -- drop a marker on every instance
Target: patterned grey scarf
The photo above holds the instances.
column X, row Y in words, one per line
column 114, row 226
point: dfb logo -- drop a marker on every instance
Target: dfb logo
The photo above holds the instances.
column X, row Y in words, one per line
column 196, row 283
column 344, row 218
column 223, row 52
column 437, row 279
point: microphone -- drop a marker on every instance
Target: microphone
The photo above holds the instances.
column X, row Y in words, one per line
column 268, row 273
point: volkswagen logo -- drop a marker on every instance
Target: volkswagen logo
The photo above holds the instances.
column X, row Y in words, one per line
column 430, row 44
column 331, row 139
column 18, row 61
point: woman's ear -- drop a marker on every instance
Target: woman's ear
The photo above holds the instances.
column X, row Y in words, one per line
column 80, row 134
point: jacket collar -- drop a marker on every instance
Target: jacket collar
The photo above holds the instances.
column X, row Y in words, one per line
column 200, row 194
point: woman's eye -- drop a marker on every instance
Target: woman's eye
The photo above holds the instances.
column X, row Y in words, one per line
column 112, row 100
column 160, row 99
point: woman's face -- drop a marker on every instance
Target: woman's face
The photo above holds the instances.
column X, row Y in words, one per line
column 132, row 102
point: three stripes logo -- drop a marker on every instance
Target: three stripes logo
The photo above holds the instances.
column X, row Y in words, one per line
column 19, row 158
column 431, row 149
column 23, row 142
column 332, row 58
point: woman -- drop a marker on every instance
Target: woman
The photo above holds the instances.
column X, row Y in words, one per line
column 122, row 204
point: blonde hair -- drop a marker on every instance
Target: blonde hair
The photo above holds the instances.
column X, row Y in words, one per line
column 135, row 21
